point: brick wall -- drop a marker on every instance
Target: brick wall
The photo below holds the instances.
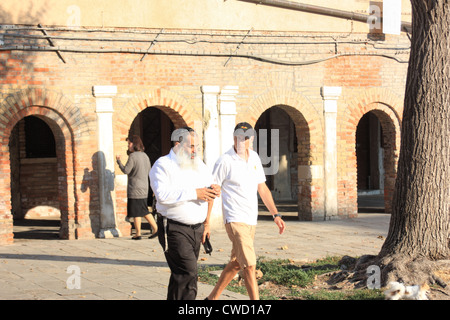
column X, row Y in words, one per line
column 40, row 83
column 39, row 187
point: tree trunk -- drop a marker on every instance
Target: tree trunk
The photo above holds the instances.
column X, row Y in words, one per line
column 420, row 217
column 420, row 222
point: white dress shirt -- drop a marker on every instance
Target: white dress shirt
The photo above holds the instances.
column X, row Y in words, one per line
column 175, row 190
column 239, row 181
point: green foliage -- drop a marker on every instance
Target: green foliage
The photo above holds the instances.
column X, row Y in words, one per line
column 359, row 294
column 296, row 278
column 284, row 272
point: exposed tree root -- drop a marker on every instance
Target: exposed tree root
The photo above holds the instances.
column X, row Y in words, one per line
column 401, row 268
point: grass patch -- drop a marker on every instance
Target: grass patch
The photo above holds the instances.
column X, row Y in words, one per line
column 286, row 273
column 284, row 279
column 205, row 276
column 358, row 294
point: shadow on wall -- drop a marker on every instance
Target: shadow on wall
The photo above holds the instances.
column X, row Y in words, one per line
column 100, row 183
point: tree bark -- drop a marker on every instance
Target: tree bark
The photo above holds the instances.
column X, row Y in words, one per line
column 420, row 224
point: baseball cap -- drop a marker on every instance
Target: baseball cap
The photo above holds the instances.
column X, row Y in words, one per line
column 244, row 129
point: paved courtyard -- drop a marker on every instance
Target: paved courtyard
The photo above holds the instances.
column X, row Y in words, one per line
column 124, row 269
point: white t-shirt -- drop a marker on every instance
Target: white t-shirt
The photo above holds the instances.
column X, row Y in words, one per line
column 174, row 189
column 239, row 182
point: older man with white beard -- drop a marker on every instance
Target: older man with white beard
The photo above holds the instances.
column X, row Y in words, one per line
column 184, row 191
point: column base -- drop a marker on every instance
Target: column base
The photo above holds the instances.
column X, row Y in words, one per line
column 109, row 233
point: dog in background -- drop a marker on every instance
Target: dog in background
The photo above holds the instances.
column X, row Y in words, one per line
column 398, row 291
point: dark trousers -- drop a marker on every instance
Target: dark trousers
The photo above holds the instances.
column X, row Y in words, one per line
column 182, row 256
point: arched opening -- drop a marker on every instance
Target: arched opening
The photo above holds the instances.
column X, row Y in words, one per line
column 35, row 102
column 277, row 147
column 152, row 116
column 369, row 153
column 35, row 188
column 375, row 144
column 155, row 128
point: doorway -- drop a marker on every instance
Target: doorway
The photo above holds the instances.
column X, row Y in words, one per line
column 155, row 128
column 34, row 180
column 370, row 153
column 284, row 182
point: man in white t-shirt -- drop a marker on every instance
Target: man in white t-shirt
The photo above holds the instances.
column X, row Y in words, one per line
column 184, row 190
column 240, row 175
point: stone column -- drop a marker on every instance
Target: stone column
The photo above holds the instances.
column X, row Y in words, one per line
column 219, row 120
column 330, row 96
column 211, row 130
column 227, row 111
column 105, row 160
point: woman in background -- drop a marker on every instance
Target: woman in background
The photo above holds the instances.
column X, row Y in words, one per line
column 137, row 168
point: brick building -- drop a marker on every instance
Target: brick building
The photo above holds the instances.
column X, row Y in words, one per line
column 75, row 81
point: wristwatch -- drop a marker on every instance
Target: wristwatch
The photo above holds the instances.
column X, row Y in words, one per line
column 276, row 215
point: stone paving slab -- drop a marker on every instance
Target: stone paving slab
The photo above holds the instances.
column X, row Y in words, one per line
column 124, row 269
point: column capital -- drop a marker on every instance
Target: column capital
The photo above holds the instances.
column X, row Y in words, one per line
column 229, row 92
column 104, row 95
column 104, row 91
column 210, row 89
column 331, row 93
column 330, row 96
column 227, row 100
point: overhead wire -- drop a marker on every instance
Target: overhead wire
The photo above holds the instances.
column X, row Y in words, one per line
column 198, row 53
column 13, row 32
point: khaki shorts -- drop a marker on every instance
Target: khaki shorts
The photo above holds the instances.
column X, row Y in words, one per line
column 242, row 236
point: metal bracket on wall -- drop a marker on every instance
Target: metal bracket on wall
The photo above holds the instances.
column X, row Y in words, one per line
column 237, row 48
column 151, row 44
column 51, row 42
